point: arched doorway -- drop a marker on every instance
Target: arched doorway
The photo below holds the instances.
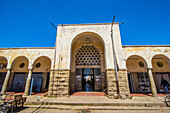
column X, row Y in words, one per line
column 41, row 74
column 18, row 75
column 88, row 76
column 87, row 64
column 137, row 75
column 161, row 68
column 3, row 70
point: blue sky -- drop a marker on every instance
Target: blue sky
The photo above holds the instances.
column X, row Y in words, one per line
column 26, row 23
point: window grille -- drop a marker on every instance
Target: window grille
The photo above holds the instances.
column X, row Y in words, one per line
column 88, row 55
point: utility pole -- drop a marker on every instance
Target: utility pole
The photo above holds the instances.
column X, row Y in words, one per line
column 115, row 60
column 54, row 56
column 55, row 46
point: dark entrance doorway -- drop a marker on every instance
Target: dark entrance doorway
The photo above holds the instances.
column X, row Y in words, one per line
column 2, row 79
column 37, row 81
column 18, row 84
column 88, row 79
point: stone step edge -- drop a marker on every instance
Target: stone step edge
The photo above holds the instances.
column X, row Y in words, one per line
column 99, row 104
column 95, row 108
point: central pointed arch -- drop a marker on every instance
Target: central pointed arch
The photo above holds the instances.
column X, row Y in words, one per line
column 87, row 53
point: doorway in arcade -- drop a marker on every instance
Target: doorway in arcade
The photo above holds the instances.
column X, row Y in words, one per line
column 18, row 83
column 2, row 79
column 39, row 82
column 88, row 79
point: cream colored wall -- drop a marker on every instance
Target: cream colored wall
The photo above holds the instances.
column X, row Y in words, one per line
column 30, row 53
column 165, row 68
column 147, row 53
column 29, row 56
column 133, row 65
column 45, row 65
column 16, row 64
column 67, row 33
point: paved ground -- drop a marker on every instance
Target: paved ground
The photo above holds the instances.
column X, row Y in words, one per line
column 33, row 110
column 21, row 93
column 88, row 93
column 93, row 99
column 95, row 104
column 147, row 94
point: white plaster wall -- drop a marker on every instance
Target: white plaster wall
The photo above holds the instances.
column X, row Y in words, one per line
column 147, row 52
column 67, row 33
column 30, row 53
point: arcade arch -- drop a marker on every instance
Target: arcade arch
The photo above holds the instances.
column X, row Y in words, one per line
column 41, row 74
column 137, row 74
column 161, row 68
column 87, row 63
column 3, row 70
column 18, row 76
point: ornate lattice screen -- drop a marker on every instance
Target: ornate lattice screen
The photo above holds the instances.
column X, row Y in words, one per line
column 88, row 55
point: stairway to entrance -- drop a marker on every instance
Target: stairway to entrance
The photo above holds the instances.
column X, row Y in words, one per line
column 89, row 94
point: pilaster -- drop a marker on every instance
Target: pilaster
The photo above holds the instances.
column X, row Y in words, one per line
column 5, row 85
column 28, row 83
column 152, row 83
column 122, row 83
column 59, row 83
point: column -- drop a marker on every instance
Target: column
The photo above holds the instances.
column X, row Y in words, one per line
column 152, row 83
column 5, row 85
column 28, row 83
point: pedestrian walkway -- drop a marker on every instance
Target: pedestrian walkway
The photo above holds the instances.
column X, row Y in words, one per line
column 93, row 100
column 97, row 101
column 21, row 93
column 84, row 110
column 147, row 94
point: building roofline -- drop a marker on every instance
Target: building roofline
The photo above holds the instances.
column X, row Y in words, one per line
column 124, row 46
column 28, row 48
column 87, row 24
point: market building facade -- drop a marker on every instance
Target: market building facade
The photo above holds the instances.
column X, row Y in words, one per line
column 83, row 60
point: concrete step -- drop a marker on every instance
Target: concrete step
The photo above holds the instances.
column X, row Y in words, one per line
column 151, row 104
column 68, row 107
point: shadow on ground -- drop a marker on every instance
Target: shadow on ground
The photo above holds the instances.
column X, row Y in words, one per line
column 16, row 110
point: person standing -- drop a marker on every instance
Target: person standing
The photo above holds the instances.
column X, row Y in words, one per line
column 165, row 84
